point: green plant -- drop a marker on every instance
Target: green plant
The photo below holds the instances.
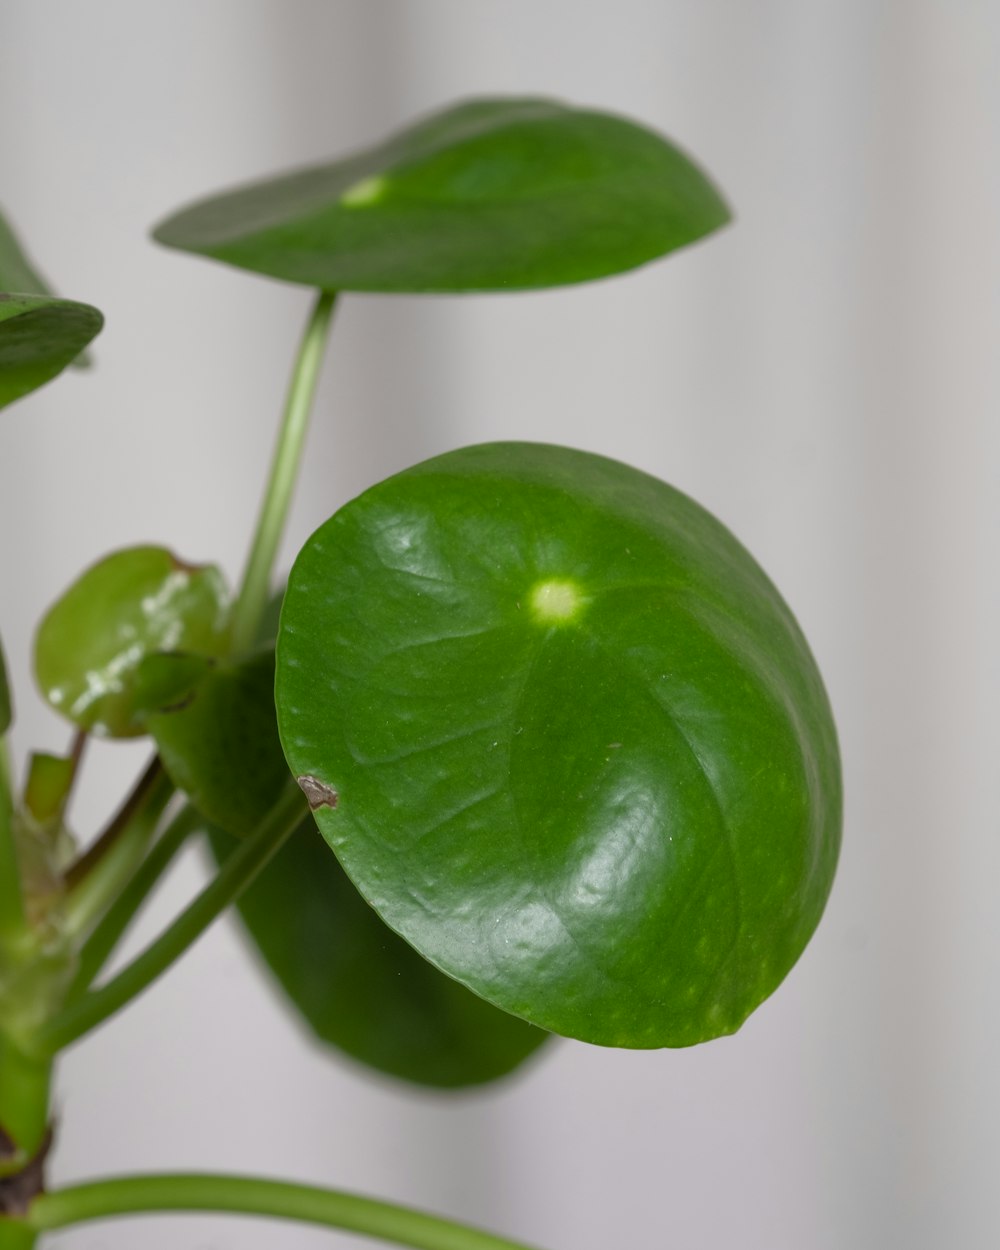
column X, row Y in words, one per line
column 566, row 739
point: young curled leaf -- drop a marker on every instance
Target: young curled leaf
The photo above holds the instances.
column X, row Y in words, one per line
column 131, row 604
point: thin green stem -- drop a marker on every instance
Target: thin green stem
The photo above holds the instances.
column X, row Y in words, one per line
column 256, row 583
column 236, row 874
column 13, row 924
column 99, row 876
column 102, row 942
column 77, row 747
column 245, row 1195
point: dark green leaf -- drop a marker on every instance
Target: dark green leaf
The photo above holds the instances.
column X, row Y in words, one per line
column 583, row 757
column 492, row 194
column 165, row 681
column 125, row 607
column 362, row 988
column 221, row 746
column 39, row 337
column 39, row 334
column 6, row 711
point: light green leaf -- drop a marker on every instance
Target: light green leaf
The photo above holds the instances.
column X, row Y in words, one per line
column 582, row 756
column 127, row 606
column 488, row 195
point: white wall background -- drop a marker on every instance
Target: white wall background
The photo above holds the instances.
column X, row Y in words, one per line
column 824, row 376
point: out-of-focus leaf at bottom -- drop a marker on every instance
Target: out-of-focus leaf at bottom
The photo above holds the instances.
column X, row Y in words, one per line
column 360, row 986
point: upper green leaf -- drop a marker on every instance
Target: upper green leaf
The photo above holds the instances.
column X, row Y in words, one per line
column 132, row 603
column 582, row 757
column 39, row 334
column 491, row 194
column 6, row 711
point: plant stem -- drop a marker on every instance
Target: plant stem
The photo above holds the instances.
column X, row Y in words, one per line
column 132, row 1195
column 233, row 878
column 24, row 1099
column 98, row 876
column 13, row 923
column 284, row 468
column 104, row 939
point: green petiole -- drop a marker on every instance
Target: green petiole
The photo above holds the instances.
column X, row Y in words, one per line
column 244, row 1195
column 256, row 584
column 236, row 874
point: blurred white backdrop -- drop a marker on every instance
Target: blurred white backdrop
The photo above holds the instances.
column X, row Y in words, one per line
column 823, row 376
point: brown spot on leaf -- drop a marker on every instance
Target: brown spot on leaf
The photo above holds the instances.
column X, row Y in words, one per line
column 317, row 792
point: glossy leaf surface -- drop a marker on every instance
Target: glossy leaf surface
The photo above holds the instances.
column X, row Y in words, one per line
column 221, row 748
column 490, row 194
column 39, row 334
column 583, row 757
column 363, row 989
column 127, row 606
column 6, row 711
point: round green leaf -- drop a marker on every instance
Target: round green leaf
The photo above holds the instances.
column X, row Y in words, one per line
column 125, row 607
column 39, row 337
column 581, row 755
column 6, row 711
column 220, row 746
column 363, row 989
column 490, row 194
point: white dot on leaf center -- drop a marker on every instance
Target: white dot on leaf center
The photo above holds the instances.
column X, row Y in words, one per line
column 556, row 601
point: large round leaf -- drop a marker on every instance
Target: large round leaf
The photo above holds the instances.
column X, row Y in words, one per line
column 129, row 605
column 572, row 743
column 363, row 989
column 39, row 334
column 491, row 194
